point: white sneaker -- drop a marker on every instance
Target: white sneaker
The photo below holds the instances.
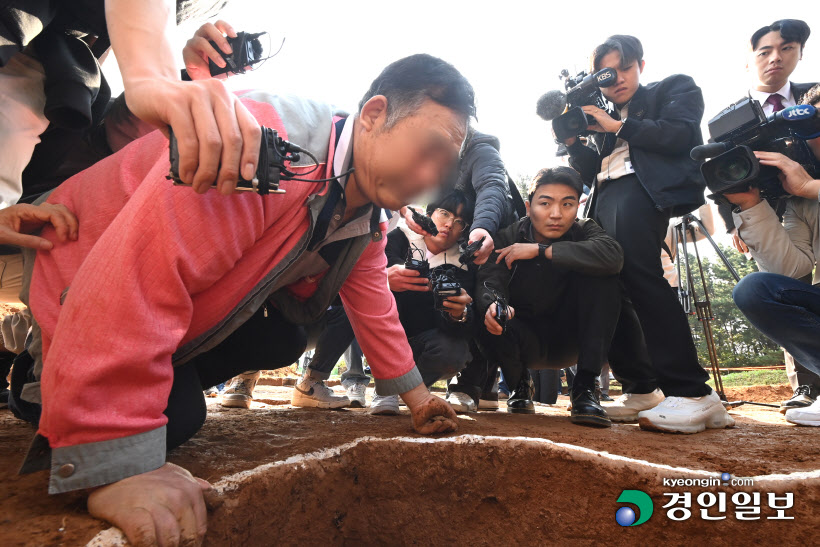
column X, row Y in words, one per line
column 687, row 415
column 239, row 393
column 809, row 415
column 356, row 393
column 315, row 394
column 461, row 402
column 384, row 406
column 627, row 406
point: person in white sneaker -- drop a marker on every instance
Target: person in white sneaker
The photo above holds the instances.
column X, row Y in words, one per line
column 642, row 176
column 775, row 299
column 239, row 392
column 334, row 335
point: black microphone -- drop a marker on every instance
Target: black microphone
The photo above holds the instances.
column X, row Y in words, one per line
column 551, row 105
column 706, row 151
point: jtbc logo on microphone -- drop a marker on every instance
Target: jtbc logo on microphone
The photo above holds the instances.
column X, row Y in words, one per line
column 800, row 112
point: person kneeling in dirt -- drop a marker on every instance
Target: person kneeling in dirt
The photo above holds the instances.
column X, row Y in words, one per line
column 166, row 291
column 438, row 331
column 557, row 279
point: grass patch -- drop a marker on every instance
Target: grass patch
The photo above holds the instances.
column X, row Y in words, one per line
column 753, row 378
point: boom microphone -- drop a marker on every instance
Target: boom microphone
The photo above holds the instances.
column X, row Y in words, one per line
column 551, row 105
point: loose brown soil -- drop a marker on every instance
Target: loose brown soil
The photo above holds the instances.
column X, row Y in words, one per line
column 493, row 489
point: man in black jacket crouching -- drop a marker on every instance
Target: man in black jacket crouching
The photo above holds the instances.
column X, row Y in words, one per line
column 559, row 278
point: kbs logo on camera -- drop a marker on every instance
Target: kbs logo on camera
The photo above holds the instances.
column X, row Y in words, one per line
column 637, row 506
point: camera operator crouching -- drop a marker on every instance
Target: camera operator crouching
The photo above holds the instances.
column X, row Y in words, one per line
column 774, row 300
column 642, row 175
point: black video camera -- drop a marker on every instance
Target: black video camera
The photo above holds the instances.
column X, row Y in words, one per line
column 582, row 90
column 274, row 152
column 743, row 128
column 444, row 284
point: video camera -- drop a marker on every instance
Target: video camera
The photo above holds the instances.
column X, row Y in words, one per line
column 564, row 109
column 743, row 128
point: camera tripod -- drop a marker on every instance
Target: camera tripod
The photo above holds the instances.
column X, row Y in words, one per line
column 682, row 235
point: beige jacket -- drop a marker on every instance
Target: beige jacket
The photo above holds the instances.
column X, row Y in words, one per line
column 791, row 248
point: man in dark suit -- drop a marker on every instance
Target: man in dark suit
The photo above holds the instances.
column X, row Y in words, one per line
column 774, row 52
column 642, row 176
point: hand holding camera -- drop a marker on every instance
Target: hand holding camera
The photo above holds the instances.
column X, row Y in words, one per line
column 401, row 278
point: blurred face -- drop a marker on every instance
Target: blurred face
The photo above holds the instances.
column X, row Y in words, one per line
column 553, row 209
column 394, row 165
column 628, row 80
column 774, row 60
column 450, row 227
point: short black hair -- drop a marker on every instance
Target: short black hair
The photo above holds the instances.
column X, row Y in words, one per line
column 451, row 201
column 629, row 48
column 408, row 82
column 792, row 30
column 812, row 96
column 556, row 175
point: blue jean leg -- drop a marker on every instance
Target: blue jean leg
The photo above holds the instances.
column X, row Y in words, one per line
column 786, row 310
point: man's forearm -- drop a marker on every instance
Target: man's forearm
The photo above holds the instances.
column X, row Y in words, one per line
column 139, row 33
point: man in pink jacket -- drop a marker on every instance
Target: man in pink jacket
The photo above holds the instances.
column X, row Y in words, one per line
column 165, row 292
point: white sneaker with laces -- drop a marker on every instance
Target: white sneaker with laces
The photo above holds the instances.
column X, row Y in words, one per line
column 313, row 393
column 626, row 407
column 686, row 415
column 356, row 393
column 809, row 415
column 384, row 406
column 239, row 393
column 461, row 402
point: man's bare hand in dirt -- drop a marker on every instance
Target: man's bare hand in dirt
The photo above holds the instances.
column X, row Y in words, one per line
column 21, row 219
column 162, row 507
column 430, row 414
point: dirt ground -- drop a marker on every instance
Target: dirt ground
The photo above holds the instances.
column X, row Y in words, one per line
column 502, row 478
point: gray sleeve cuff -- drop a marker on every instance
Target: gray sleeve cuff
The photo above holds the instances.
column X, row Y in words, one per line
column 105, row 462
column 402, row 384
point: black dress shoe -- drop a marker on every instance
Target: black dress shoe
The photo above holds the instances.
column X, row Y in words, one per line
column 586, row 410
column 520, row 401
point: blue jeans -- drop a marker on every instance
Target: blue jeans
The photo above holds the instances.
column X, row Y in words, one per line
column 786, row 310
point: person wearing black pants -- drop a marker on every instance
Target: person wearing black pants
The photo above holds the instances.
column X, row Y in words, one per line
column 265, row 342
column 558, row 277
column 642, row 176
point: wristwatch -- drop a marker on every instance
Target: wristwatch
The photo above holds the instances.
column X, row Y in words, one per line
column 542, row 249
column 463, row 318
column 623, row 123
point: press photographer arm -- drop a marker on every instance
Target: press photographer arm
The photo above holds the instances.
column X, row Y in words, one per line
column 785, row 248
column 219, row 138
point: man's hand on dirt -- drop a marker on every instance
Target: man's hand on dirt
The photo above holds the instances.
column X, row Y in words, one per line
column 161, row 507
column 430, row 414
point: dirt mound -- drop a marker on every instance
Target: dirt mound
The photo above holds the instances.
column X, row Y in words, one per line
column 759, row 394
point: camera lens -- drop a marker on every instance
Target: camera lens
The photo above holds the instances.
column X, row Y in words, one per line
column 734, row 169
